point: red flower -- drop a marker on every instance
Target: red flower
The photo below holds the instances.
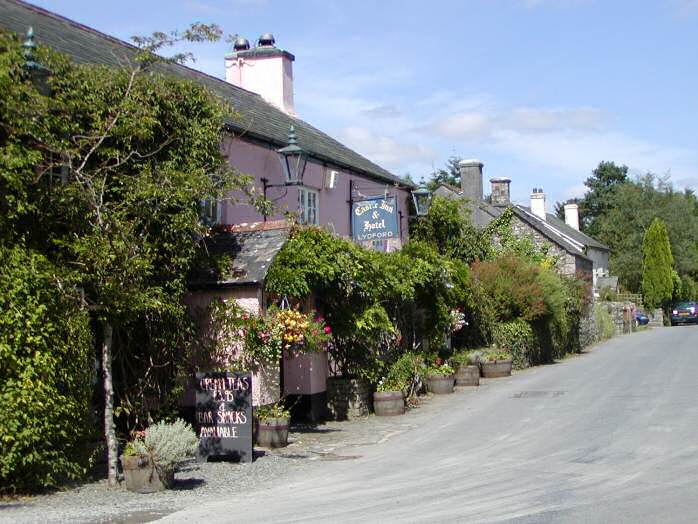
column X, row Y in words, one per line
column 328, row 329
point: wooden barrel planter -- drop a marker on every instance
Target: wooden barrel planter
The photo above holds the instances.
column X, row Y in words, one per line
column 272, row 432
column 440, row 384
column 496, row 369
column 388, row 403
column 468, row 375
column 142, row 476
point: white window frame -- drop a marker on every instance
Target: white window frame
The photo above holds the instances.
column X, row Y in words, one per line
column 308, row 206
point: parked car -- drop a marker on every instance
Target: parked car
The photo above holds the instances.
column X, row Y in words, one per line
column 641, row 318
column 684, row 313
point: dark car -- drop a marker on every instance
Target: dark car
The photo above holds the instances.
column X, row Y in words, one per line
column 641, row 318
column 684, row 313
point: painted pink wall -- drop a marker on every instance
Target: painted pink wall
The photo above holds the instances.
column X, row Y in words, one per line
column 259, row 161
column 265, row 381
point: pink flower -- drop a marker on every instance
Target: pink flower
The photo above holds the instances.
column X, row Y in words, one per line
column 439, row 361
column 328, row 329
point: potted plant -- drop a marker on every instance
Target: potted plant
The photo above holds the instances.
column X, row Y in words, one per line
column 272, row 425
column 388, row 399
column 150, row 460
column 496, row 363
column 467, row 364
column 440, row 377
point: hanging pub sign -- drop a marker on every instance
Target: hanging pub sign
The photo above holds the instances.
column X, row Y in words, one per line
column 224, row 415
column 374, row 220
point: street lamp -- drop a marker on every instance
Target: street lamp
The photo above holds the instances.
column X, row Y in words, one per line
column 422, row 200
column 293, row 160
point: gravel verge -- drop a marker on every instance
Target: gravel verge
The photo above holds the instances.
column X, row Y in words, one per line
column 196, row 484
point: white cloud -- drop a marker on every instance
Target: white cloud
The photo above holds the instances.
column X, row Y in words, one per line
column 471, row 126
column 483, row 125
column 382, row 149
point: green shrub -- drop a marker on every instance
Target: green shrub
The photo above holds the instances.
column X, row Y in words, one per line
column 467, row 358
column 404, row 375
column 378, row 304
column 272, row 411
column 517, row 338
column 168, row 443
column 496, row 355
column 45, row 376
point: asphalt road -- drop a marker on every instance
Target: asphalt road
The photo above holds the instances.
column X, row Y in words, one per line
column 610, row 437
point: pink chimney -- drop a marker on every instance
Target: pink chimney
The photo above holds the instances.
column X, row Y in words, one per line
column 264, row 69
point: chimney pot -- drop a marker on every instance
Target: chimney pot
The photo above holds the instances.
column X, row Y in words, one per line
column 266, row 40
column 241, row 44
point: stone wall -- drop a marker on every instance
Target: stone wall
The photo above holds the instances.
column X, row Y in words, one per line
column 587, row 328
column 623, row 315
column 348, row 399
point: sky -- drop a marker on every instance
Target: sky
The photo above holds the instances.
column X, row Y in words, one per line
column 540, row 91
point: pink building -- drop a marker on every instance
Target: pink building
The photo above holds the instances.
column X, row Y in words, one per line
column 259, row 86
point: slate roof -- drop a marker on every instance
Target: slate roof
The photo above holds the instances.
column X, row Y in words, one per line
column 258, row 120
column 575, row 234
column 551, row 231
column 251, row 251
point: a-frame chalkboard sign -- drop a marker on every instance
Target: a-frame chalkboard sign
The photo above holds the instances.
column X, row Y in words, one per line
column 224, row 415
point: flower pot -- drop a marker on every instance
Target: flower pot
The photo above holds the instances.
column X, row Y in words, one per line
column 468, row 375
column 273, row 432
column 142, row 476
column 388, row 403
column 498, row 368
column 440, row 384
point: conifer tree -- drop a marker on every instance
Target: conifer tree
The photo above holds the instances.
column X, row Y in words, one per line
column 657, row 265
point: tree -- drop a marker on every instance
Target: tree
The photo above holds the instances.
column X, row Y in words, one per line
column 448, row 227
column 657, row 265
column 104, row 172
column 449, row 174
column 634, row 205
column 599, row 199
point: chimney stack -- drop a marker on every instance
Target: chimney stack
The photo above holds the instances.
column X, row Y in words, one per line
column 471, row 179
column 538, row 203
column 572, row 215
column 500, row 191
column 264, row 69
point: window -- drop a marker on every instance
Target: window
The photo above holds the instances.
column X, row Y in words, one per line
column 210, row 212
column 308, row 206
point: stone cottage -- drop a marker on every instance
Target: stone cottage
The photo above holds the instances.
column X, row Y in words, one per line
column 576, row 251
